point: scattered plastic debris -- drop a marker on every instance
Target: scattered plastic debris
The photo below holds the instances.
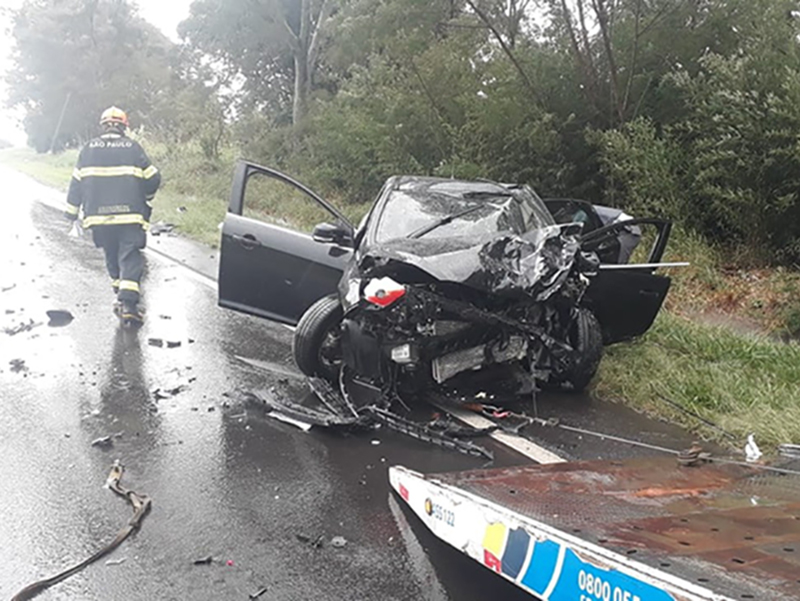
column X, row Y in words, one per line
column 286, row 419
column 103, row 442
column 22, row 327
column 751, row 450
column 160, row 343
column 18, row 365
column 59, row 318
column 789, row 450
column 229, row 563
column 258, row 593
column 338, row 542
column 116, row 562
column 161, row 228
column 203, row 561
column 165, row 393
column 316, row 543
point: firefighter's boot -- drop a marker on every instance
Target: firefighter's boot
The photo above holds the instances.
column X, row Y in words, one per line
column 131, row 316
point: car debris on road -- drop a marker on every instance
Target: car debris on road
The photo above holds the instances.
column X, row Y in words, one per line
column 59, row 318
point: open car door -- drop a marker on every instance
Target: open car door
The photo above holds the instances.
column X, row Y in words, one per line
column 627, row 297
column 268, row 266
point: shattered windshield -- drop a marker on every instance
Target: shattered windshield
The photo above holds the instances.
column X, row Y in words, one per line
column 445, row 209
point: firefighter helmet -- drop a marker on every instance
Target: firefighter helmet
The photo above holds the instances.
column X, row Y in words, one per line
column 114, row 115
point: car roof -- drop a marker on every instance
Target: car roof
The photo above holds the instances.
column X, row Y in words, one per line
column 398, row 181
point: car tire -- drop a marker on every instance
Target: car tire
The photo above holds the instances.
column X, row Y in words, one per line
column 316, row 337
column 586, row 338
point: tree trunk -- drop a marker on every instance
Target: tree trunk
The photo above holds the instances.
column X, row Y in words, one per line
column 301, row 86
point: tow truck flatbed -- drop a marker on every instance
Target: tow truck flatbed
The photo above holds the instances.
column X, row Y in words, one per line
column 639, row 530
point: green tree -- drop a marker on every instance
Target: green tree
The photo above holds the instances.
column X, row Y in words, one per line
column 272, row 45
column 73, row 58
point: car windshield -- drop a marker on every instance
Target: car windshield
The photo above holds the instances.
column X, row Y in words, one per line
column 445, row 209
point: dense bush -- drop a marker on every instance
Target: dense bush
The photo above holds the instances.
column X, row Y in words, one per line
column 689, row 110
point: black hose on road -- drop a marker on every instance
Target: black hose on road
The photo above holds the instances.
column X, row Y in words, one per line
column 141, row 505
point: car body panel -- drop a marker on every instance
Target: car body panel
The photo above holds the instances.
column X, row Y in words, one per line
column 626, row 302
column 273, row 271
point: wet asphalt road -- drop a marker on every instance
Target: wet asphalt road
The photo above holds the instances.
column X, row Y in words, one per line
column 226, row 480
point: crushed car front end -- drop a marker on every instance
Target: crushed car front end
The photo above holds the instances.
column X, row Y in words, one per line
column 423, row 310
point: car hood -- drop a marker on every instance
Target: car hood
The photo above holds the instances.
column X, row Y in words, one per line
column 535, row 264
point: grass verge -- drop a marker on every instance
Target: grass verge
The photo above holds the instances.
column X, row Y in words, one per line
column 193, row 196
column 743, row 381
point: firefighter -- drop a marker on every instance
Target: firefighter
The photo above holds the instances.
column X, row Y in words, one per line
column 114, row 182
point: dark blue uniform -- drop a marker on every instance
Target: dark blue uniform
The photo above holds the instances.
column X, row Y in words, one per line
column 114, row 182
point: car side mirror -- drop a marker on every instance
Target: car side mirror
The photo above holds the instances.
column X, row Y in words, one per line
column 333, row 233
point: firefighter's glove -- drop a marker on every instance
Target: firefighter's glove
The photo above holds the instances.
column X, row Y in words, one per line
column 76, row 231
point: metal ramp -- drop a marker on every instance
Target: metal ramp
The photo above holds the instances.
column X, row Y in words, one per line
column 639, row 530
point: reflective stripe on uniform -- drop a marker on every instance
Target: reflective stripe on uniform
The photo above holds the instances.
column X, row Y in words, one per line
column 115, row 283
column 149, row 172
column 126, row 219
column 110, row 171
column 71, row 209
column 129, row 285
column 76, row 174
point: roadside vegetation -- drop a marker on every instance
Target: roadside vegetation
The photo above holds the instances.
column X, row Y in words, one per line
column 684, row 110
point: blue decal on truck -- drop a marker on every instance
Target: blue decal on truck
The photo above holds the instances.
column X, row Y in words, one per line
column 579, row 580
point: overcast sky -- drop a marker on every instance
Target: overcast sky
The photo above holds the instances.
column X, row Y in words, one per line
column 164, row 14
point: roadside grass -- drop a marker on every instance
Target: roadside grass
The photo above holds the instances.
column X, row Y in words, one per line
column 743, row 381
column 53, row 170
column 194, row 193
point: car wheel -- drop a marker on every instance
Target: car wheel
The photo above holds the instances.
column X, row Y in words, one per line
column 317, row 345
column 586, row 338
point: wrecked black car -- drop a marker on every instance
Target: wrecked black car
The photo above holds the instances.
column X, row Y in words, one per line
column 442, row 278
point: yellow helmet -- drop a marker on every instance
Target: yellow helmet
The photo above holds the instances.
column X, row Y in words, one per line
column 114, row 115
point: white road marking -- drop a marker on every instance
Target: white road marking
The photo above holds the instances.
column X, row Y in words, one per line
column 521, row 445
column 193, row 274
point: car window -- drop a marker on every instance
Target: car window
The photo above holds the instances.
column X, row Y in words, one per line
column 565, row 210
column 416, row 206
column 277, row 202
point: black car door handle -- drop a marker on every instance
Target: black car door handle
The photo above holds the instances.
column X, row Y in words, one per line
column 248, row 241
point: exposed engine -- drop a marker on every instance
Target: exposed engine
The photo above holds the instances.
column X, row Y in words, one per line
column 435, row 331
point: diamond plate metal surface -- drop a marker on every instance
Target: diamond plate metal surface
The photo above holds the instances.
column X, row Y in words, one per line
column 734, row 529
